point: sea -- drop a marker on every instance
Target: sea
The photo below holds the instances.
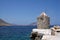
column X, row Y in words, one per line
column 15, row 32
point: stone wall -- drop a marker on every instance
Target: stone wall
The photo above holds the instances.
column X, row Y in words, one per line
column 43, row 21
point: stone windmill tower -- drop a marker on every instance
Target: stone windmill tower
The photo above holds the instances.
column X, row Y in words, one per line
column 43, row 21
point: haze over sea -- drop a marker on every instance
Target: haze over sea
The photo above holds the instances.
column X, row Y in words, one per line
column 15, row 32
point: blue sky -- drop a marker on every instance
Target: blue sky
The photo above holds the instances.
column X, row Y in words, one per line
column 26, row 11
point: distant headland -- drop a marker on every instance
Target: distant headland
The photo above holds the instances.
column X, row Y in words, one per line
column 4, row 23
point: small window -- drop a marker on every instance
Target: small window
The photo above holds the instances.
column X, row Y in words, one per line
column 57, row 31
column 41, row 18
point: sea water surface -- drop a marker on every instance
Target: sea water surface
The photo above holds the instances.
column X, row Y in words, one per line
column 15, row 32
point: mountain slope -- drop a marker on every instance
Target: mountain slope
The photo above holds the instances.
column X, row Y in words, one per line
column 34, row 24
column 3, row 23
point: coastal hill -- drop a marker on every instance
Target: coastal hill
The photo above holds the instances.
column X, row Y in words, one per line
column 34, row 24
column 4, row 23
